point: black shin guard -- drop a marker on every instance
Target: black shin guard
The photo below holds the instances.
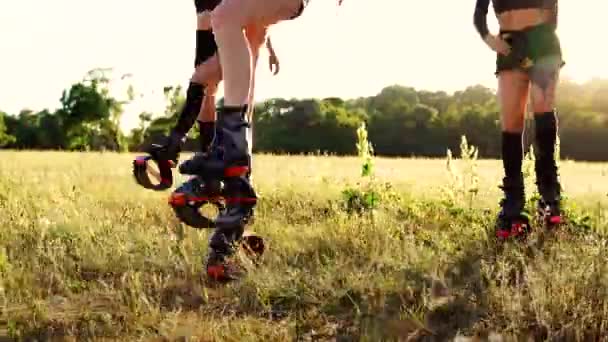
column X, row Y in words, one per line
column 189, row 113
column 205, row 46
column 545, row 165
column 207, row 134
column 512, row 154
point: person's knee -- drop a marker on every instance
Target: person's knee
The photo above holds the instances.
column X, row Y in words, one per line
column 211, row 90
column 203, row 21
column 513, row 125
column 208, row 73
column 543, row 107
column 207, row 111
column 227, row 16
column 543, row 100
column 220, row 18
column 256, row 36
column 512, row 114
column 512, row 119
column 513, row 95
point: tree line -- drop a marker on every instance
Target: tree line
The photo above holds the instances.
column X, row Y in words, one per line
column 401, row 121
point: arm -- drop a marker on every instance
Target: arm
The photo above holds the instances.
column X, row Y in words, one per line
column 480, row 18
column 269, row 46
column 553, row 18
column 273, row 60
column 496, row 43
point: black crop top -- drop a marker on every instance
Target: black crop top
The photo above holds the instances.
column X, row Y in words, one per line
column 205, row 5
column 500, row 6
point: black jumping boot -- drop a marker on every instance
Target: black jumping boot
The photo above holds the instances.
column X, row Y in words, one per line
column 171, row 147
column 549, row 210
column 203, row 187
column 209, row 163
column 240, row 197
column 512, row 220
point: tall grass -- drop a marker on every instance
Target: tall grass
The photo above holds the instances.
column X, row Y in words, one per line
column 87, row 254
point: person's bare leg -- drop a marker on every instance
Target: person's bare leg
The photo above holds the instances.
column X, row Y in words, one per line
column 256, row 36
column 228, row 21
column 513, row 88
column 207, row 119
column 207, row 113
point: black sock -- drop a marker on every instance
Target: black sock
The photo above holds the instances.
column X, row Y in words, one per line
column 546, row 136
column 207, row 134
column 512, row 154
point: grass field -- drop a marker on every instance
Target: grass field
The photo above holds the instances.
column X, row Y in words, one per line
column 86, row 254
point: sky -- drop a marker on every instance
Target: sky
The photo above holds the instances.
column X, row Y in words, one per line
column 349, row 51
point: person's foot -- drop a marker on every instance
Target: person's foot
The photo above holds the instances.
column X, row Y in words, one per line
column 208, row 164
column 550, row 213
column 169, row 149
column 517, row 226
column 222, row 269
column 221, row 264
column 549, row 205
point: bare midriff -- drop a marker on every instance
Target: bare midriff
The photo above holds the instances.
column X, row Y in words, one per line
column 520, row 19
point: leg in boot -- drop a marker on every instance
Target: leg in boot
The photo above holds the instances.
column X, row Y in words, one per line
column 201, row 188
column 230, row 226
column 513, row 86
column 511, row 221
column 239, row 193
column 549, row 205
column 547, row 180
column 545, row 77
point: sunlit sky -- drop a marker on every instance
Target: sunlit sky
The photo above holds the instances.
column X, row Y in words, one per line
column 349, row 51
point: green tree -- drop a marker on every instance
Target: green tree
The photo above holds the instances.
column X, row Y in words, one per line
column 5, row 138
column 90, row 115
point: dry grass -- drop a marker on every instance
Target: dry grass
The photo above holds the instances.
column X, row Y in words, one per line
column 87, row 254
